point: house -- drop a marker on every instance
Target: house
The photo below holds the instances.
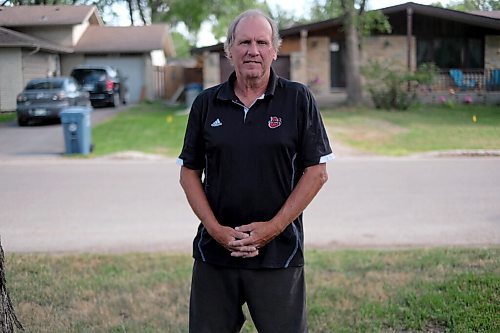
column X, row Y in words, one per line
column 314, row 53
column 40, row 41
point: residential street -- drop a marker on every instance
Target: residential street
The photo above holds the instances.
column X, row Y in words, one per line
column 107, row 205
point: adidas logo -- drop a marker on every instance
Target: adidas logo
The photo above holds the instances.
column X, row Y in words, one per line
column 216, row 123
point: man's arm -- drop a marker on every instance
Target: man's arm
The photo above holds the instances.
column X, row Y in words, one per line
column 191, row 183
column 261, row 233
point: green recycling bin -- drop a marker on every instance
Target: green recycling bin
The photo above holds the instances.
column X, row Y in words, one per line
column 77, row 129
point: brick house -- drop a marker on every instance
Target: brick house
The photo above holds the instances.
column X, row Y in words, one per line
column 41, row 41
column 313, row 53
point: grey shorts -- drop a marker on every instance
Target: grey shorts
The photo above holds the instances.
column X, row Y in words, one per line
column 276, row 299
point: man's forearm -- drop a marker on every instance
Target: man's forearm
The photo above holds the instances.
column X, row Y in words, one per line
column 310, row 183
column 191, row 184
column 262, row 232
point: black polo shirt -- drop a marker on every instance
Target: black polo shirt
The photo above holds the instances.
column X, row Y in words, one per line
column 252, row 159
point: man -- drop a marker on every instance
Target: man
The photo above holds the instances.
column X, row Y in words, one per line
column 259, row 142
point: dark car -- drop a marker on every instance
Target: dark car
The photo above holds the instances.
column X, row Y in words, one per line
column 46, row 98
column 104, row 84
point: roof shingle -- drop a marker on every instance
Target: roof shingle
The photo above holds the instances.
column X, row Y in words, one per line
column 139, row 39
column 18, row 16
column 10, row 38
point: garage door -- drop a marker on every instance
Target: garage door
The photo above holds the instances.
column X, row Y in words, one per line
column 130, row 67
column 35, row 65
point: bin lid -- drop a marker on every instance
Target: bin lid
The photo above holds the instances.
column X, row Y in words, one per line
column 76, row 109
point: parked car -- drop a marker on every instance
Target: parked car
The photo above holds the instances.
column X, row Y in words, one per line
column 46, row 98
column 104, row 83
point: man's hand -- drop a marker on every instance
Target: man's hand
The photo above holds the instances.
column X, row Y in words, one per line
column 226, row 235
column 259, row 234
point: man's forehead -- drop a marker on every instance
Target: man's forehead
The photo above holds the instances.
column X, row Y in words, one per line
column 247, row 25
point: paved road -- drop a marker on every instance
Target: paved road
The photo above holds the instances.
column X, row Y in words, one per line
column 103, row 205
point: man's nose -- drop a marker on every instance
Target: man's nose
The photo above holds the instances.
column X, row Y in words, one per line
column 253, row 49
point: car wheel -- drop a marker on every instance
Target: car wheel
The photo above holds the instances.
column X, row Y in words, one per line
column 22, row 121
column 116, row 100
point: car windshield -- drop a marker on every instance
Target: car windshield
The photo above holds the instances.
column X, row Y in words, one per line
column 89, row 75
column 45, row 85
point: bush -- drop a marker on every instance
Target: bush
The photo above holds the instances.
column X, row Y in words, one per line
column 394, row 89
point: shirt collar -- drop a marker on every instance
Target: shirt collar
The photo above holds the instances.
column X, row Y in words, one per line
column 227, row 89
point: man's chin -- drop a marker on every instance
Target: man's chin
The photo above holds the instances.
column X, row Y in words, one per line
column 252, row 75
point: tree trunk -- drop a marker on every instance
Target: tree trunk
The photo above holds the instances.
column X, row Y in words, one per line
column 353, row 56
column 131, row 11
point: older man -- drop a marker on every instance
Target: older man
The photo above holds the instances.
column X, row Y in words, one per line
column 253, row 159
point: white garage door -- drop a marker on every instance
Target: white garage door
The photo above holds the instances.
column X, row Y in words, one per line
column 130, row 67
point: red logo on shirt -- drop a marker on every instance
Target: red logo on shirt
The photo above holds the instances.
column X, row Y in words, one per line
column 274, row 122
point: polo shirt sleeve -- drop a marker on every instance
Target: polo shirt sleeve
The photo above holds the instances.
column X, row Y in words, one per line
column 193, row 151
column 314, row 144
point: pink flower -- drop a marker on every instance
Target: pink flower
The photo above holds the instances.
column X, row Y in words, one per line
column 468, row 99
column 442, row 99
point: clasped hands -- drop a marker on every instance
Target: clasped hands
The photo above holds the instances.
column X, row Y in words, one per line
column 246, row 240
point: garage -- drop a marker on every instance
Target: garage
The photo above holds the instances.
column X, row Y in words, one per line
column 131, row 68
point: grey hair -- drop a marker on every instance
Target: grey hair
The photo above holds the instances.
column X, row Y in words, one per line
column 276, row 39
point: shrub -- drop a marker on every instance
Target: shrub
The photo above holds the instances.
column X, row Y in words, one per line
column 396, row 89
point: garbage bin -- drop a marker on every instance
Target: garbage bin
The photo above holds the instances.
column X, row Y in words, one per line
column 77, row 130
column 192, row 90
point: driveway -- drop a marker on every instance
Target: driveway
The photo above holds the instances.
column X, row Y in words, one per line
column 42, row 140
column 107, row 205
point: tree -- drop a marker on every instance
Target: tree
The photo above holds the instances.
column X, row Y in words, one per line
column 324, row 10
column 356, row 24
column 224, row 11
column 354, row 87
column 475, row 5
column 286, row 19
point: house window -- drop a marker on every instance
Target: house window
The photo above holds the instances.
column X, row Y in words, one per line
column 465, row 53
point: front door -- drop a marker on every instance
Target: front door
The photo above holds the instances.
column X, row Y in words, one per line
column 337, row 65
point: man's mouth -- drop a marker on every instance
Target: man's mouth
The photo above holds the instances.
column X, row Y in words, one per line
column 251, row 62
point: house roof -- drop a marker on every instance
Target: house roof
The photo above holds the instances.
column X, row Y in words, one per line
column 478, row 18
column 472, row 18
column 135, row 39
column 18, row 16
column 493, row 13
column 10, row 38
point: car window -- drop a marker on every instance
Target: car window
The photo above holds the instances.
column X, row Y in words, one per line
column 45, row 85
column 84, row 76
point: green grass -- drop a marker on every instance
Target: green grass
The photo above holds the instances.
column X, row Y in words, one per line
column 425, row 290
column 421, row 129
column 157, row 129
column 149, row 128
column 7, row 116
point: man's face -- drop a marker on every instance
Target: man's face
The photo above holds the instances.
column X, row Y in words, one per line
column 252, row 51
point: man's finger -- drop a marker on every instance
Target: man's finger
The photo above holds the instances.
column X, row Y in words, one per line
column 240, row 242
column 241, row 235
column 245, row 228
column 244, row 254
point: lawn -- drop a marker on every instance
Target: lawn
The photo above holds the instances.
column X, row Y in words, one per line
column 157, row 129
column 149, row 128
column 424, row 290
column 420, row 129
column 7, row 116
